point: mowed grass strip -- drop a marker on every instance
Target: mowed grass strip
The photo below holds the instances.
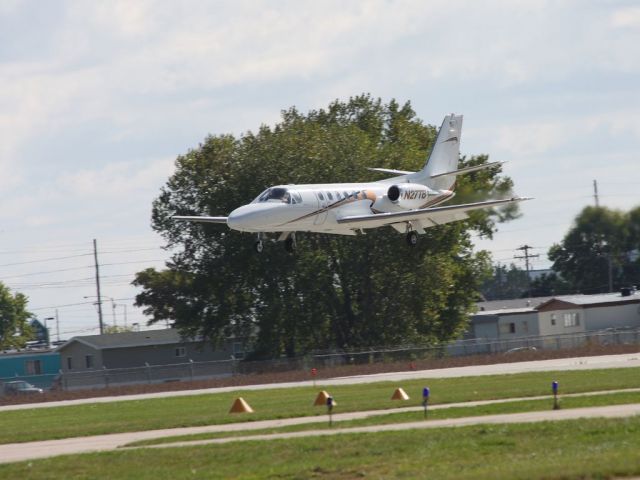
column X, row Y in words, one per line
column 403, row 417
column 594, row 448
column 210, row 409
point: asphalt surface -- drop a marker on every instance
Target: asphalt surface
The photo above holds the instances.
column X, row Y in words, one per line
column 575, row 363
column 49, row 448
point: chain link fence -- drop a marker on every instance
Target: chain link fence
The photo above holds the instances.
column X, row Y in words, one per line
column 192, row 371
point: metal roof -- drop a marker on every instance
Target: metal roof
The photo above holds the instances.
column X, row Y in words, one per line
column 505, row 311
column 522, row 305
column 600, row 298
column 511, row 303
column 130, row 339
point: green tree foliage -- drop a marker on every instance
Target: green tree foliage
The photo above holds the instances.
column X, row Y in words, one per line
column 14, row 319
column 600, row 239
column 334, row 291
column 549, row 284
column 505, row 282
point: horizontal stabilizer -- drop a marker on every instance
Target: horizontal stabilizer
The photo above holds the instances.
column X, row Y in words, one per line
column 391, row 171
column 201, row 219
column 468, row 169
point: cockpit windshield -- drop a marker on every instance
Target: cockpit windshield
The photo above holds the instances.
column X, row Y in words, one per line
column 279, row 194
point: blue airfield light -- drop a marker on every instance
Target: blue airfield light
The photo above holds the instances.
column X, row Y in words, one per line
column 554, row 387
column 425, row 399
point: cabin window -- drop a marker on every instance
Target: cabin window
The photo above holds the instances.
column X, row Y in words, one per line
column 345, row 194
column 329, row 195
column 33, row 367
column 320, row 196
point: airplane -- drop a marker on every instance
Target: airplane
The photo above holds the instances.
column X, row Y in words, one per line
column 409, row 202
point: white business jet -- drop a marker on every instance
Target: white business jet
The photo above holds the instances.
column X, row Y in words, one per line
column 407, row 202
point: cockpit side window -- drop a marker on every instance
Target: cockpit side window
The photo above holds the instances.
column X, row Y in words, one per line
column 277, row 193
column 297, row 197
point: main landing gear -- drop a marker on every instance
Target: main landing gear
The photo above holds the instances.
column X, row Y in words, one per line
column 412, row 238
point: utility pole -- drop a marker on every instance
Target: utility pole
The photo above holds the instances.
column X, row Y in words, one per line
column 57, row 326
column 95, row 256
column 525, row 248
column 595, row 193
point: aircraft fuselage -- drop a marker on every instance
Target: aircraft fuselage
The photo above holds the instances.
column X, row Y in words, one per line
column 318, row 207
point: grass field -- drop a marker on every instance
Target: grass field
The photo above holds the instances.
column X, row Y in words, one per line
column 563, row 450
column 125, row 416
column 402, row 417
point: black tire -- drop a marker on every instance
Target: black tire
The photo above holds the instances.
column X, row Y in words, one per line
column 259, row 246
column 290, row 245
column 412, row 238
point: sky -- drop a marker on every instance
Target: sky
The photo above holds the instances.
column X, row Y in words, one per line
column 97, row 99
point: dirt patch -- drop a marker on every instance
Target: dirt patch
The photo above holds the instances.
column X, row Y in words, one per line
column 327, row 373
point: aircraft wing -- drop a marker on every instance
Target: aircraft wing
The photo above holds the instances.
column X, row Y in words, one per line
column 425, row 217
column 202, row 219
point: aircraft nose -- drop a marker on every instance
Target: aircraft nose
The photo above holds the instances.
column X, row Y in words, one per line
column 245, row 218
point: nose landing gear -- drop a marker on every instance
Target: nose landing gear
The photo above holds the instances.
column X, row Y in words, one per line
column 290, row 243
column 259, row 245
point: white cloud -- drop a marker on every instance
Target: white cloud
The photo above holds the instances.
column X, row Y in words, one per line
column 141, row 82
column 117, row 181
column 628, row 17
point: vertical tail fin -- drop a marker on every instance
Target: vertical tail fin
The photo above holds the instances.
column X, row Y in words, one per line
column 443, row 157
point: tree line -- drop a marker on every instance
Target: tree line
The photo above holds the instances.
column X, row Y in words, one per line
column 335, row 292
column 599, row 253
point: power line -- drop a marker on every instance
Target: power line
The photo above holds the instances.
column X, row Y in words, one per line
column 45, row 260
column 526, row 257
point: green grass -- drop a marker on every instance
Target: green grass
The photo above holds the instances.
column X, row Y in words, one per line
column 208, row 409
column 597, row 448
column 437, row 414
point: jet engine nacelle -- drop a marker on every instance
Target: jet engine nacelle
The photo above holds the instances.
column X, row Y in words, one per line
column 409, row 195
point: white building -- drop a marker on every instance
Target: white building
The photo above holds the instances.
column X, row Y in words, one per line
column 552, row 316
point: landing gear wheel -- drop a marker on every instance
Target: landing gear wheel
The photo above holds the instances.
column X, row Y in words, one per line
column 259, row 246
column 290, row 244
column 412, row 238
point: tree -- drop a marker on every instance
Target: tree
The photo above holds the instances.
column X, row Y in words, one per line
column 600, row 245
column 14, row 319
column 549, row 284
column 505, row 283
column 335, row 292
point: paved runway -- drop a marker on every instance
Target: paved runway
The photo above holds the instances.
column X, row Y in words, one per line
column 48, row 448
column 575, row 363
